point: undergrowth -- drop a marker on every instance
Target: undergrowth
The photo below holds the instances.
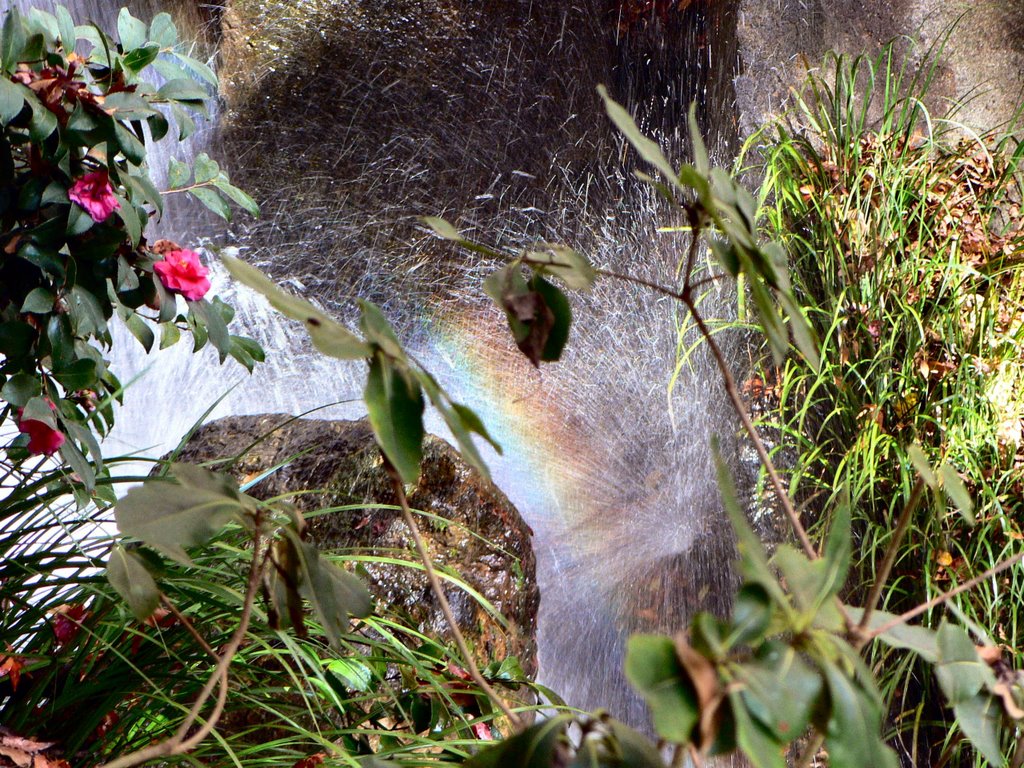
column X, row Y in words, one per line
column 905, row 232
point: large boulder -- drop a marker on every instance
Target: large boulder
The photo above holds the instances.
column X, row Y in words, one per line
column 472, row 531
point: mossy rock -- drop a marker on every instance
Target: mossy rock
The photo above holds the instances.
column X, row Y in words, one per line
column 471, row 529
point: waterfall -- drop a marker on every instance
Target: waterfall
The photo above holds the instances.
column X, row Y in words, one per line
column 491, row 119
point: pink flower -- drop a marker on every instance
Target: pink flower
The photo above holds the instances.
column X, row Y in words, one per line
column 94, row 193
column 181, row 271
column 42, row 438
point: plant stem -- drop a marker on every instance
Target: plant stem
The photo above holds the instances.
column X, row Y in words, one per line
column 891, row 551
column 748, row 427
column 178, row 743
column 435, row 586
column 914, row 612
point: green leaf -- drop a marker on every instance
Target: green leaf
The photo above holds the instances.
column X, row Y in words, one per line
column 558, row 335
column 138, row 59
column 536, row 747
column 753, row 561
column 12, row 39
column 957, row 491
column 334, row 593
column 378, row 330
column 38, row 409
column 20, row 388
column 39, row 301
column 140, row 329
column 213, row 322
column 130, row 30
column 130, row 218
column 43, row 122
column 980, row 718
column 212, row 200
column 460, row 420
column 654, row 669
column 566, row 264
column 960, row 671
column 853, row 735
column 648, row 149
column 781, row 691
column 86, row 312
column 442, row 228
column 132, row 148
column 162, row 31
column 329, row 337
column 88, row 439
column 394, row 404
column 244, row 201
column 12, row 100
column 79, row 464
column 753, row 739
column 701, row 164
column 128, row 575
column 920, row 640
column 81, row 374
column 170, row 517
column 206, row 169
column 169, row 335
column 634, row 749
column 183, row 89
column 178, row 174
column 924, row 468
column 751, row 615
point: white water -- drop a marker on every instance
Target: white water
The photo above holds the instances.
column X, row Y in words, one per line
column 610, row 470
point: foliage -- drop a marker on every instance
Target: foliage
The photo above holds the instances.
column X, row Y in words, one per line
column 904, row 232
column 76, row 197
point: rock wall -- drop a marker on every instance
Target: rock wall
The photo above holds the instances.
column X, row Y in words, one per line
column 982, row 63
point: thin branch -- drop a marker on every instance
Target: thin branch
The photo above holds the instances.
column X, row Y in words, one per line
column 188, row 625
column 923, row 607
column 435, row 586
column 806, row 760
column 891, row 551
column 748, row 427
column 178, row 743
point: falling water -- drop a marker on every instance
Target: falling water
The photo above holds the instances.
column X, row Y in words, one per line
column 370, row 114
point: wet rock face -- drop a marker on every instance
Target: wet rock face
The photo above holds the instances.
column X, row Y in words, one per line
column 471, row 530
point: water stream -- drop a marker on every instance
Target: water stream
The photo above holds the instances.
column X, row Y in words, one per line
column 369, row 114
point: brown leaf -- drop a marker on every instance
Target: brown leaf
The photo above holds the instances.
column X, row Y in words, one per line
column 310, row 761
column 710, row 694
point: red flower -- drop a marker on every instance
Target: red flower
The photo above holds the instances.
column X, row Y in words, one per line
column 181, row 271
column 42, row 438
column 94, row 193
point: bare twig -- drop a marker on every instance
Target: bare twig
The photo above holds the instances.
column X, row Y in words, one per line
column 435, row 586
column 902, row 525
column 188, row 625
column 923, row 607
column 181, row 742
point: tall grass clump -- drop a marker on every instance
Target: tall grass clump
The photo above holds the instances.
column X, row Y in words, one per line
column 905, row 236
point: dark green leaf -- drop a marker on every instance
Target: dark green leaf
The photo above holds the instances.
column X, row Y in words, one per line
column 654, row 669
column 81, row 374
column 394, row 404
column 140, row 58
column 751, row 615
column 558, row 305
column 85, row 312
column 214, row 324
column 132, row 148
column 634, row 749
column 43, row 122
column 12, row 100
column 65, row 28
column 12, row 39
column 140, row 329
column 921, row 640
column 536, row 747
column 39, row 300
column 127, row 574
column 79, row 464
column 21, row 388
